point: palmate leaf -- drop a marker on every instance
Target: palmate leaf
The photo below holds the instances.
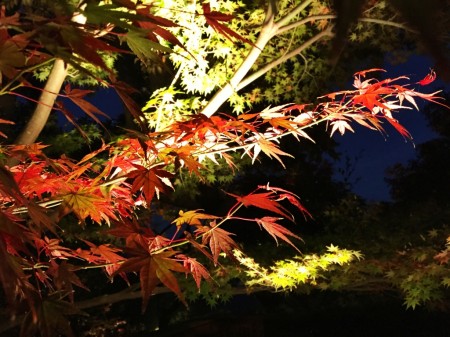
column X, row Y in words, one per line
column 87, row 202
column 13, row 279
column 263, row 200
column 270, row 149
column 11, row 58
column 213, row 18
column 144, row 48
column 371, row 97
column 277, row 231
column 192, row 218
column 196, row 269
column 218, row 240
column 154, row 269
column 77, row 97
column 9, row 187
column 40, row 218
column 109, row 14
column 64, row 278
column 150, row 181
column 124, row 91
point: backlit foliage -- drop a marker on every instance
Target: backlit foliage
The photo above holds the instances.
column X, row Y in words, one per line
column 115, row 185
column 298, row 271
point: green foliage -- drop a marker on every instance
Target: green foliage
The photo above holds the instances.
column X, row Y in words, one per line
column 309, row 269
column 92, row 76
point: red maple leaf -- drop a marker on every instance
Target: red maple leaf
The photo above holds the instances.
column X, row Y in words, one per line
column 218, row 239
column 153, row 270
column 77, row 97
column 372, row 96
column 196, row 269
column 150, row 181
column 263, row 200
column 276, row 230
column 431, row 77
column 213, row 18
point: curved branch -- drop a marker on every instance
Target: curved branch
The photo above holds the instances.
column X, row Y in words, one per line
column 295, row 11
column 45, row 105
column 249, row 79
column 388, row 23
column 268, row 30
column 303, row 21
column 312, row 18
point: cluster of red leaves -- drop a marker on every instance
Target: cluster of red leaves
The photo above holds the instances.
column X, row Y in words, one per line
column 38, row 193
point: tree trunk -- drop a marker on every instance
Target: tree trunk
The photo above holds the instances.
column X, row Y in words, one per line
column 45, row 104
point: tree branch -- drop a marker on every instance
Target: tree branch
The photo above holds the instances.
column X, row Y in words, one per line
column 295, row 11
column 249, row 79
column 268, row 30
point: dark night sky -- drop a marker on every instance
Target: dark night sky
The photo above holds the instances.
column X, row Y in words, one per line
column 375, row 152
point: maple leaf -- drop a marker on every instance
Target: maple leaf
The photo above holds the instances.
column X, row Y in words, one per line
column 52, row 248
column 144, row 48
column 150, row 181
column 443, row 257
column 364, row 72
column 263, row 200
column 213, row 18
column 192, row 218
column 218, row 239
column 13, row 280
column 77, row 97
column 196, row 269
column 64, row 278
column 371, row 96
column 270, row 149
column 283, row 194
column 51, row 318
column 400, row 128
column 341, row 125
column 428, row 79
column 102, row 254
column 38, row 215
column 154, row 269
column 87, row 202
column 124, row 91
column 276, row 230
column 9, row 187
column 11, row 58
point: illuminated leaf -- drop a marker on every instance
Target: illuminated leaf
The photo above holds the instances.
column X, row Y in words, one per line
column 428, row 79
column 270, row 149
column 153, row 270
column 372, row 96
column 276, row 230
column 88, row 202
column 192, row 218
column 150, row 181
column 266, row 200
column 218, row 239
column 213, row 18
column 196, row 269
column 144, row 48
